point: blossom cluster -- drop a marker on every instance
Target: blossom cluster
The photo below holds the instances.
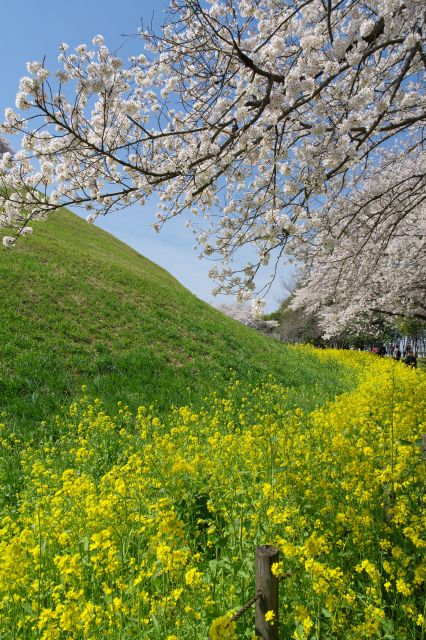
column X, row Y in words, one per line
column 131, row 526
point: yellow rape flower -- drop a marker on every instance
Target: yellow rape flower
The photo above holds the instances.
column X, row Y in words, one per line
column 193, row 577
column 270, row 617
column 223, row 628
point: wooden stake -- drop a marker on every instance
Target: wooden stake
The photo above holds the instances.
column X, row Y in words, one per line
column 267, row 587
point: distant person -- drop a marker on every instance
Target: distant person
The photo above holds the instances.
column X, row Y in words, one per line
column 381, row 350
column 375, row 349
column 410, row 359
column 396, row 355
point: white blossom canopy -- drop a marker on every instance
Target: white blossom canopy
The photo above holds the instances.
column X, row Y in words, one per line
column 275, row 123
column 370, row 254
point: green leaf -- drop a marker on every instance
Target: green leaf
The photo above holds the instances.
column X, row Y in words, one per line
column 155, row 625
column 244, row 574
column 214, row 565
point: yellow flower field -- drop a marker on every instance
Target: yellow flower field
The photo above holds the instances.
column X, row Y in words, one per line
column 130, row 527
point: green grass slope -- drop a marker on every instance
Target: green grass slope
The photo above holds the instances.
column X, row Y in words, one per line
column 80, row 307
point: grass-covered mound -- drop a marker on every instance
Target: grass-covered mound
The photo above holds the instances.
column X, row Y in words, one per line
column 134, row 526
column 80, row 307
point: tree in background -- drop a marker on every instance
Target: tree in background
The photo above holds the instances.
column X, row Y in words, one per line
column 370, row 255
column 249, row 316
column 294, row 127
column 413, row 333
column 296, row 325
column 303, row 324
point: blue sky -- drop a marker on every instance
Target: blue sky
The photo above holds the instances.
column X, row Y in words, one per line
column 32, row 29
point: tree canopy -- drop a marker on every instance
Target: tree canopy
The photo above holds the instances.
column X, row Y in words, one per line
column 295, row 127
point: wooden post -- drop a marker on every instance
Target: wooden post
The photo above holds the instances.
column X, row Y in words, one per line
column 267, row 587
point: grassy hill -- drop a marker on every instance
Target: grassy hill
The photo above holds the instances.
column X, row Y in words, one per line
column 80, row 307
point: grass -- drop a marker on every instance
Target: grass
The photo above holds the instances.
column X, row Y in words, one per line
column 80, row 307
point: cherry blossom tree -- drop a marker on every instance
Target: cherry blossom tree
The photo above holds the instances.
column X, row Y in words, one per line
column 370, row 255
column 250, row 316
column 269, row 123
